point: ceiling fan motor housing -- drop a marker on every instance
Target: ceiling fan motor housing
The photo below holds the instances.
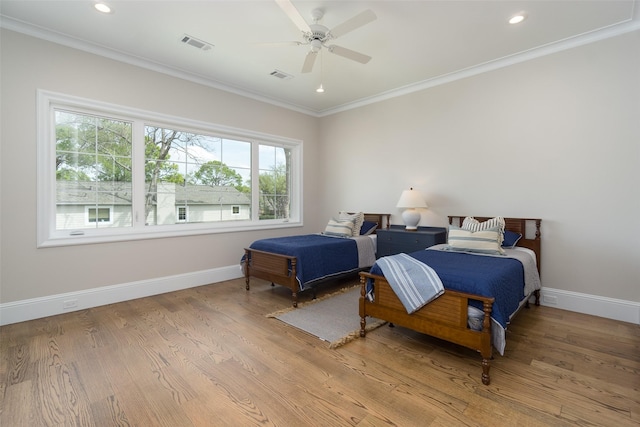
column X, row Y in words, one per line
column 318, row 32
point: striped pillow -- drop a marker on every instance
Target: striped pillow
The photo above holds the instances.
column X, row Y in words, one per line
column 472, row 224
column 339, row 228
column 357, row 218
column 483, row 241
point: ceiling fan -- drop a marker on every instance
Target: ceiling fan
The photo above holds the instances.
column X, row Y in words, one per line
column 317, row 36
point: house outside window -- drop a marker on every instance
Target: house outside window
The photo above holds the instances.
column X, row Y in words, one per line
column 114, row 173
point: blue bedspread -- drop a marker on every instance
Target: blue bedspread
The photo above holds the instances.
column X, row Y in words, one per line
column 318, row 256
column 498, row 277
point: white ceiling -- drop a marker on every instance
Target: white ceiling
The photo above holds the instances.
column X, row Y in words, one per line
column 413, row 44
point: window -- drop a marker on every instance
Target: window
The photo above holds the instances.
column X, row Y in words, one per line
column 182, row 214
column 110, row 173
column 98, row 215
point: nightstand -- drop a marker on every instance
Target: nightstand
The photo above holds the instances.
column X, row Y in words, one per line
column 396, row 239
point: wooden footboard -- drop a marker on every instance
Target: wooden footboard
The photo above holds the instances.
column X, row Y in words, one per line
column 444, row 318
column 276, row 268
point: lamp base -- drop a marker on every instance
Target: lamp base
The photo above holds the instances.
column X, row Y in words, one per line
column 411, row 218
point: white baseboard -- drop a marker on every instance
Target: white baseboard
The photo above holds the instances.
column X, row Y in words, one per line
column 611, row 308
column 20, row 311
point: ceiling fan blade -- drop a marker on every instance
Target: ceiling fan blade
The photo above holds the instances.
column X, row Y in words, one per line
column 353, row 23
column 349, row 54
column 278, row 44
column 309, row 60
column 294, row 15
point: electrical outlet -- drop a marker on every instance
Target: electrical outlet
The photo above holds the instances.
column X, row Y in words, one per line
column 70, row 303
column 550, row 299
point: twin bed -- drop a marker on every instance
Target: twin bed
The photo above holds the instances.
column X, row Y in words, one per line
column 304, row 261
column 481, row 294
column 496, row 285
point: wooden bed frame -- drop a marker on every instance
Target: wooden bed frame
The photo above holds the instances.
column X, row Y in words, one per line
column 281, row 269
column 446, row 317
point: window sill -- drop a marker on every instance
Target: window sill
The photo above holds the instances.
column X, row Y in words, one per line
column 91, row 237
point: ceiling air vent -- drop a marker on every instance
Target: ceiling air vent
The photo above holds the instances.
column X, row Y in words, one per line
column 198, row 44
column 281, row 75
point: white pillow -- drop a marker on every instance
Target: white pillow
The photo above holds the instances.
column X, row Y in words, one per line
column 357, row 218
column 484, row 241
column 472, row 224
column 339, row 228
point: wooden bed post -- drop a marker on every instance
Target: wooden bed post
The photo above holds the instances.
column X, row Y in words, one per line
column 294, row 282
column 363, row 320
column 486, row 365
column 487, row 353
column 245, row 267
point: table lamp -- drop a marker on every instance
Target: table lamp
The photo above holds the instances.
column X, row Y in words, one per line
column 410, row 200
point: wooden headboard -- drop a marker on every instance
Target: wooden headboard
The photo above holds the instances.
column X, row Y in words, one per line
column 528, row 227
column 383, row 220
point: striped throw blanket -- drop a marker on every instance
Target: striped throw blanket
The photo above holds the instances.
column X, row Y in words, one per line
column 414, row 282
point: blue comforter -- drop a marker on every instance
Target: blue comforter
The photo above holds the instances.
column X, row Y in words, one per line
column 491, row 276
column 318, row 256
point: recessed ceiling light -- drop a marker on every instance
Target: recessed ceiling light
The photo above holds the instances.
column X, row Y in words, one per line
column 518, row 18
column 102, row 7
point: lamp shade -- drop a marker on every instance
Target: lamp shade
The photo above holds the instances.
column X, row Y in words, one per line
column 411, row 199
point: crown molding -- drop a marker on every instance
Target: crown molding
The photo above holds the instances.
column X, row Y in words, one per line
column 549, row 49
column 138, row 61
column 628, row 26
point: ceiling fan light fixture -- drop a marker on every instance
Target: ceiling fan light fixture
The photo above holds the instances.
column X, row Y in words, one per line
column 316, row 45
column 102, row 7
column 518, row 18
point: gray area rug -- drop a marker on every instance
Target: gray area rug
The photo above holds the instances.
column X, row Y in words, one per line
column 333, row 318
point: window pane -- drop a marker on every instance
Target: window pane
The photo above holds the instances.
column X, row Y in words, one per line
column 93, row 169
column 275, row 182
column 199, row 174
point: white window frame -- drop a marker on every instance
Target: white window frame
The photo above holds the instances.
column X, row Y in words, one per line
column 233, row 208
column 48, row 236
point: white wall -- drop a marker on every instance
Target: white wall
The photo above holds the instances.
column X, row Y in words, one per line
column 26, row 273
column 556, row 138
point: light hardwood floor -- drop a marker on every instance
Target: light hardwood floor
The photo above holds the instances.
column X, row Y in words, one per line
column 208, row 356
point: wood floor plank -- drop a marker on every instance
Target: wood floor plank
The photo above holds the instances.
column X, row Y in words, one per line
column 489, row 412
column 210, row 356
column 110, row 412
column 19, row 406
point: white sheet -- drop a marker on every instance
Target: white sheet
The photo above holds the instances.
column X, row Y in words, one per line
column 531, row 283
column 366, row 251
